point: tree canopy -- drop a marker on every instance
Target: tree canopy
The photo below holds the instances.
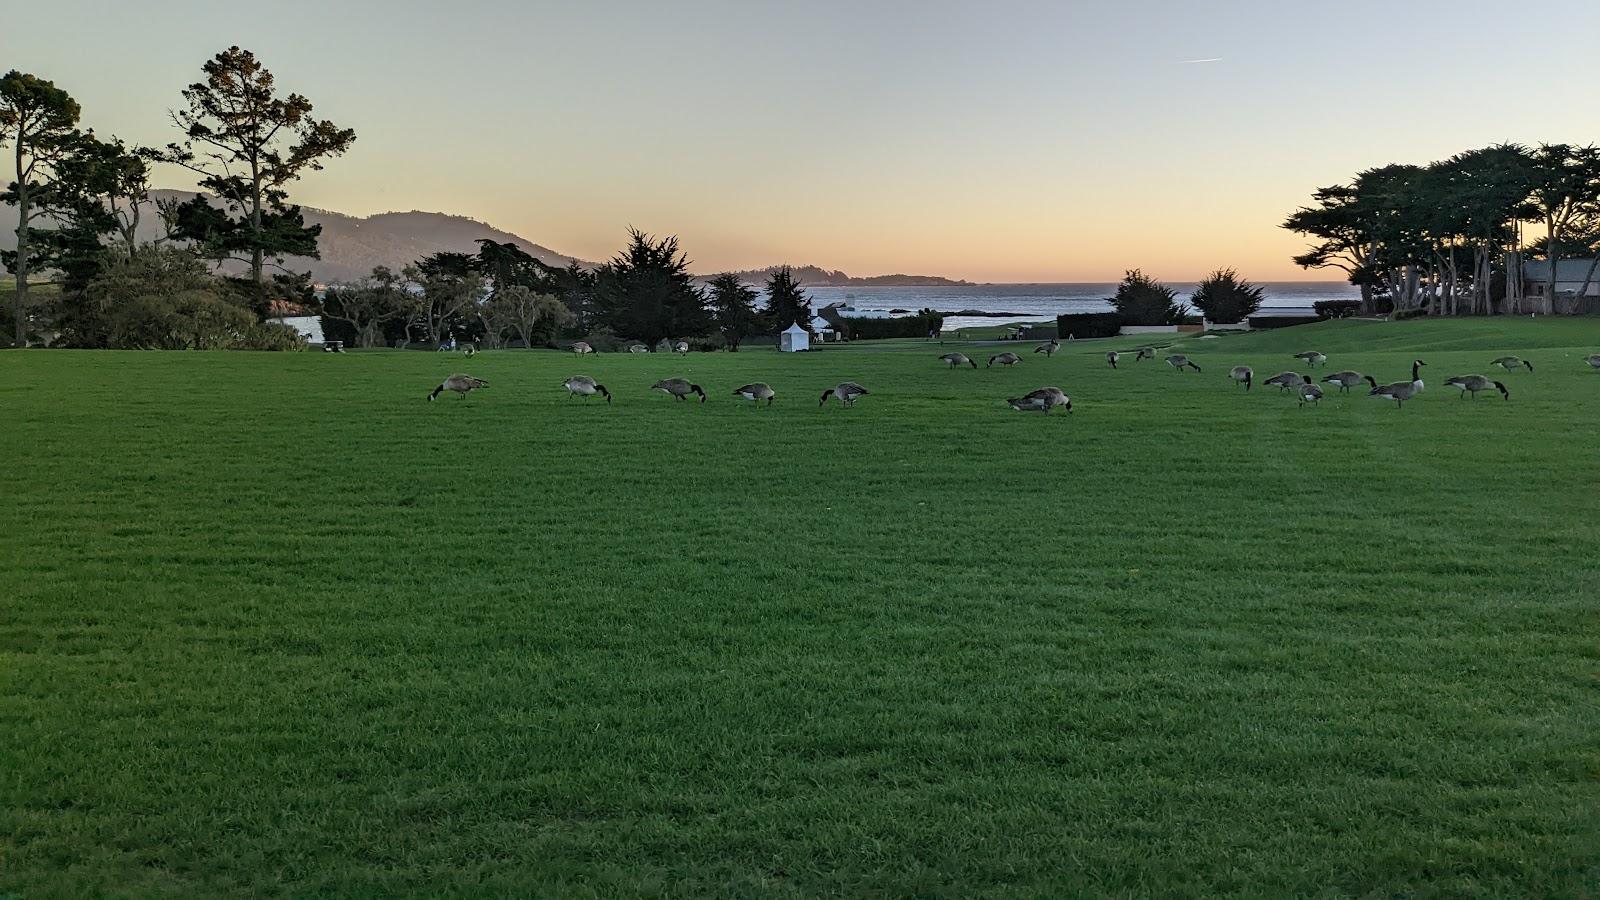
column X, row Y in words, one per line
column 1142, row 300
column 1440, row 236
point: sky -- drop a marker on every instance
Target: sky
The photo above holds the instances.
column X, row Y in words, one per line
column 992, row 141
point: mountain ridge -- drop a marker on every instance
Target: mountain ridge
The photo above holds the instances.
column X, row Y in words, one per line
column 351, row 245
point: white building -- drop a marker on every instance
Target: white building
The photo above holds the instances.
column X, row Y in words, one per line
column 1572, row 275
column 794, row 339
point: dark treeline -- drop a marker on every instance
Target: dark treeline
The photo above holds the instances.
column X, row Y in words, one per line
column 215, row 277
column 503, row 296
column 1449, row 238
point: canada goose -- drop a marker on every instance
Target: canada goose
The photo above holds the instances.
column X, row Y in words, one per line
column 588, row 387
column 1049, row 348
column 846, row 391
column 1312, row 358
column 1284, row 380
column 581, row 347
column 1309, row 393
column 1144, row 353
column 680, row 347
column 1177, row 361
column 1112, row 356
column 1043, row 400
column 1472, row 384
column 678, row 387
column 1512, row 362
column 1345, row 380
column 461, row 384
column 1400, row 391
column 638, row 348
column 1241, row 375
column 1005, row 359
column 756, row 391
column 1593, row 360
column 959, row 359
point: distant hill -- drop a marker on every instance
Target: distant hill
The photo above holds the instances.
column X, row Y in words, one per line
column 816, row 275
column 351, row 245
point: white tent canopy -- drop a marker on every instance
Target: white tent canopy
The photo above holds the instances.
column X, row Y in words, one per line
column 794, row 339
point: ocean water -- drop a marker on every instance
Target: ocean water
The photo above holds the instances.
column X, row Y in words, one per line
column 1040, row 302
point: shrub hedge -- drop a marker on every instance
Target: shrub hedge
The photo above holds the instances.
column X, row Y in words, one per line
column 1088, row 325
column 1336, row 309
column 1264, row 322
column 916, row 326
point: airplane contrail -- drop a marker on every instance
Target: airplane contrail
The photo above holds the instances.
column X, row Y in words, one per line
column 1209, row 59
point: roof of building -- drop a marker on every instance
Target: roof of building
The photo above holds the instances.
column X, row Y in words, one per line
column 1566, row 269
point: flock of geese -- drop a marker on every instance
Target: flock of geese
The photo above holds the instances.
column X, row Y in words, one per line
column 1044, row 399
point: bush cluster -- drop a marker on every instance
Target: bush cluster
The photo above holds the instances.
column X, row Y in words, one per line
column 1336, row 309
column 1088, row 325
column 903, row 327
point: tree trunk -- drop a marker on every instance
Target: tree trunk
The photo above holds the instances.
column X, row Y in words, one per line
column 256, row 260
column 1550, row 233
column 1588, row 278
column 24, row 212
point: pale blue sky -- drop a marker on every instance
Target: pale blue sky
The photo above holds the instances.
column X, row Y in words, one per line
column 993, row 141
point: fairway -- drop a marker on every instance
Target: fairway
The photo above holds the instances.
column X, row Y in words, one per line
column 274, row 623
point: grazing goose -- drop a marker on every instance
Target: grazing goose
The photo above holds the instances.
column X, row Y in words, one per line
column 678, row 387
column 1049, row 348
column 1177, row 361
column 581, row 347
column 1005, row 359
column 756, row 391
column 638, row 348
column 1310, row 393
column 1472, row 384
column 461, row 384
column 1345, row 380
column 1284, row 380
column 1512, row 362
column 1241, row 375
column 959, row 359
column 1043, row 400
column 1312, row 358
column 846, row 391
column 588, row 387
column 1400, row 391
column 1144, row 353
column 1112, row 356
column 680, row 347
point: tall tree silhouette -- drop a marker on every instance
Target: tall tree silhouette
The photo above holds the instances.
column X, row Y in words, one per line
column 787, row 303
column 733, row 307
column 248, row 144
column 646, row 292
column 39, row 121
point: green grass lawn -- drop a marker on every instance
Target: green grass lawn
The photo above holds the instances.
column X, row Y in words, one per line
column 274, row 624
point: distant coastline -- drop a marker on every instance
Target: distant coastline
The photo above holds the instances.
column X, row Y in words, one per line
column 817, row 276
